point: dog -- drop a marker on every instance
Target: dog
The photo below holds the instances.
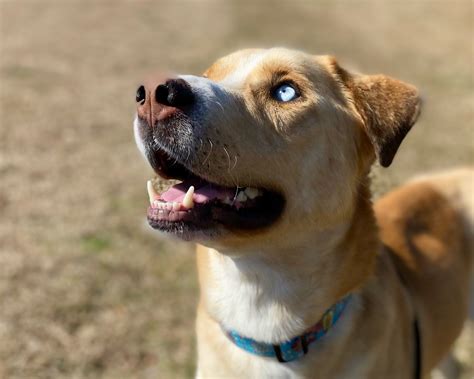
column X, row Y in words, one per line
column 301, row 276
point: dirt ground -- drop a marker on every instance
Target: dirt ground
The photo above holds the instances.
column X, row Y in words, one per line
column 86, row 291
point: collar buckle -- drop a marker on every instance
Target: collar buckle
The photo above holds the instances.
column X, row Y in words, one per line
column 295, row 354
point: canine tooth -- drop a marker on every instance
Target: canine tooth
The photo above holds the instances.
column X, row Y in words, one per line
column 241, row 197
column 155, row 203
column 188, row 198
column 151, row 191
column 175, row 206
column 252, row 192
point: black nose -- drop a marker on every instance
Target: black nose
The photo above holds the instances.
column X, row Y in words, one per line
column 175, row 93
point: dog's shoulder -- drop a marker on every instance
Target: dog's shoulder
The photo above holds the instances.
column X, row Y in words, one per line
column 424, row 230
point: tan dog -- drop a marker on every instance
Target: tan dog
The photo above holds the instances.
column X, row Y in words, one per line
column 273, row 148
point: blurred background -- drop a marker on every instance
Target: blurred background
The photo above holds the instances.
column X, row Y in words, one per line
column 86, row 290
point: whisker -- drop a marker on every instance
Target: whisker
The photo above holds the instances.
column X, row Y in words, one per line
column 235, row 194
column 200, row 146
column 228, row 156
column 235, row 162
column 219, row 104
column 210, row 151
column 189, row 153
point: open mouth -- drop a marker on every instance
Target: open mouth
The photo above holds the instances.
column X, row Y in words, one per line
column 181, row 201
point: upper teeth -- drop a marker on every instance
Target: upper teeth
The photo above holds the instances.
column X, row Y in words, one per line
column 188, row 198
column 151, row 191
column 227, row 201
column 245, row 194
column 252, row 192
column 241, row 197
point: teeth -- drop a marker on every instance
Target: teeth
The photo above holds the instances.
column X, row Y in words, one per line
column 188, row 201
column 188, row 198
column 151, row 191
column 252, row 193
column 241, row 197
column 168, row 206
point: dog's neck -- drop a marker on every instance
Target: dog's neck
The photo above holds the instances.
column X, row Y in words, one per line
column 274, row 296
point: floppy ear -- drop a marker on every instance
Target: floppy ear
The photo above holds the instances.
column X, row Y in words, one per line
column 389, row 108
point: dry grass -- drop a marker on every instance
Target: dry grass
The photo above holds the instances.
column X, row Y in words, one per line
column 85, row 291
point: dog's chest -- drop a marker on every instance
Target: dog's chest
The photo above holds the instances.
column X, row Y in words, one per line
column 254, row 302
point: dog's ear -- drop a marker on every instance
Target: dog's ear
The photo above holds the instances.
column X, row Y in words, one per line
column 388, row 108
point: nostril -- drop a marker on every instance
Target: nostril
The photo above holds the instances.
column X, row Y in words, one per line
column 174, row 93
column 161, row 94
column 179, row 92
column 141, row 95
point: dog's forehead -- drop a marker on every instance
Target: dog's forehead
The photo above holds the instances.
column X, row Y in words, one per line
column 235, row 66
column 232, row 70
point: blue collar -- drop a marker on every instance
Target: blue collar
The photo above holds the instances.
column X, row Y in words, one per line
column 296, row 347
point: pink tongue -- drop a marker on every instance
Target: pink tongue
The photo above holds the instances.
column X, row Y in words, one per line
column 203, row 194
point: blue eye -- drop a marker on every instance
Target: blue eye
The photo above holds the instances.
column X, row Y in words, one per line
column 284, row 93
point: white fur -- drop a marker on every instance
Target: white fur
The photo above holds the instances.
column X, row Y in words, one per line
column 250, row 297
column 138, row 139
column 266, row 300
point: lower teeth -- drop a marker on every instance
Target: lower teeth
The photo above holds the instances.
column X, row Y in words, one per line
column 168, row 206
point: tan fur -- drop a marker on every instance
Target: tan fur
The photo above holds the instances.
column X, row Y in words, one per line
column 430, row 242
column 274, row 283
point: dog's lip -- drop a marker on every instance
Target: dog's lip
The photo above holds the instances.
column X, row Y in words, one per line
column 214, row 214
column 212, row 204
column 189, row 192
column 184, row 196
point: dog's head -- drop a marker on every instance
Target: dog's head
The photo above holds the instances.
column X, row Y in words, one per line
column 273, row 142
